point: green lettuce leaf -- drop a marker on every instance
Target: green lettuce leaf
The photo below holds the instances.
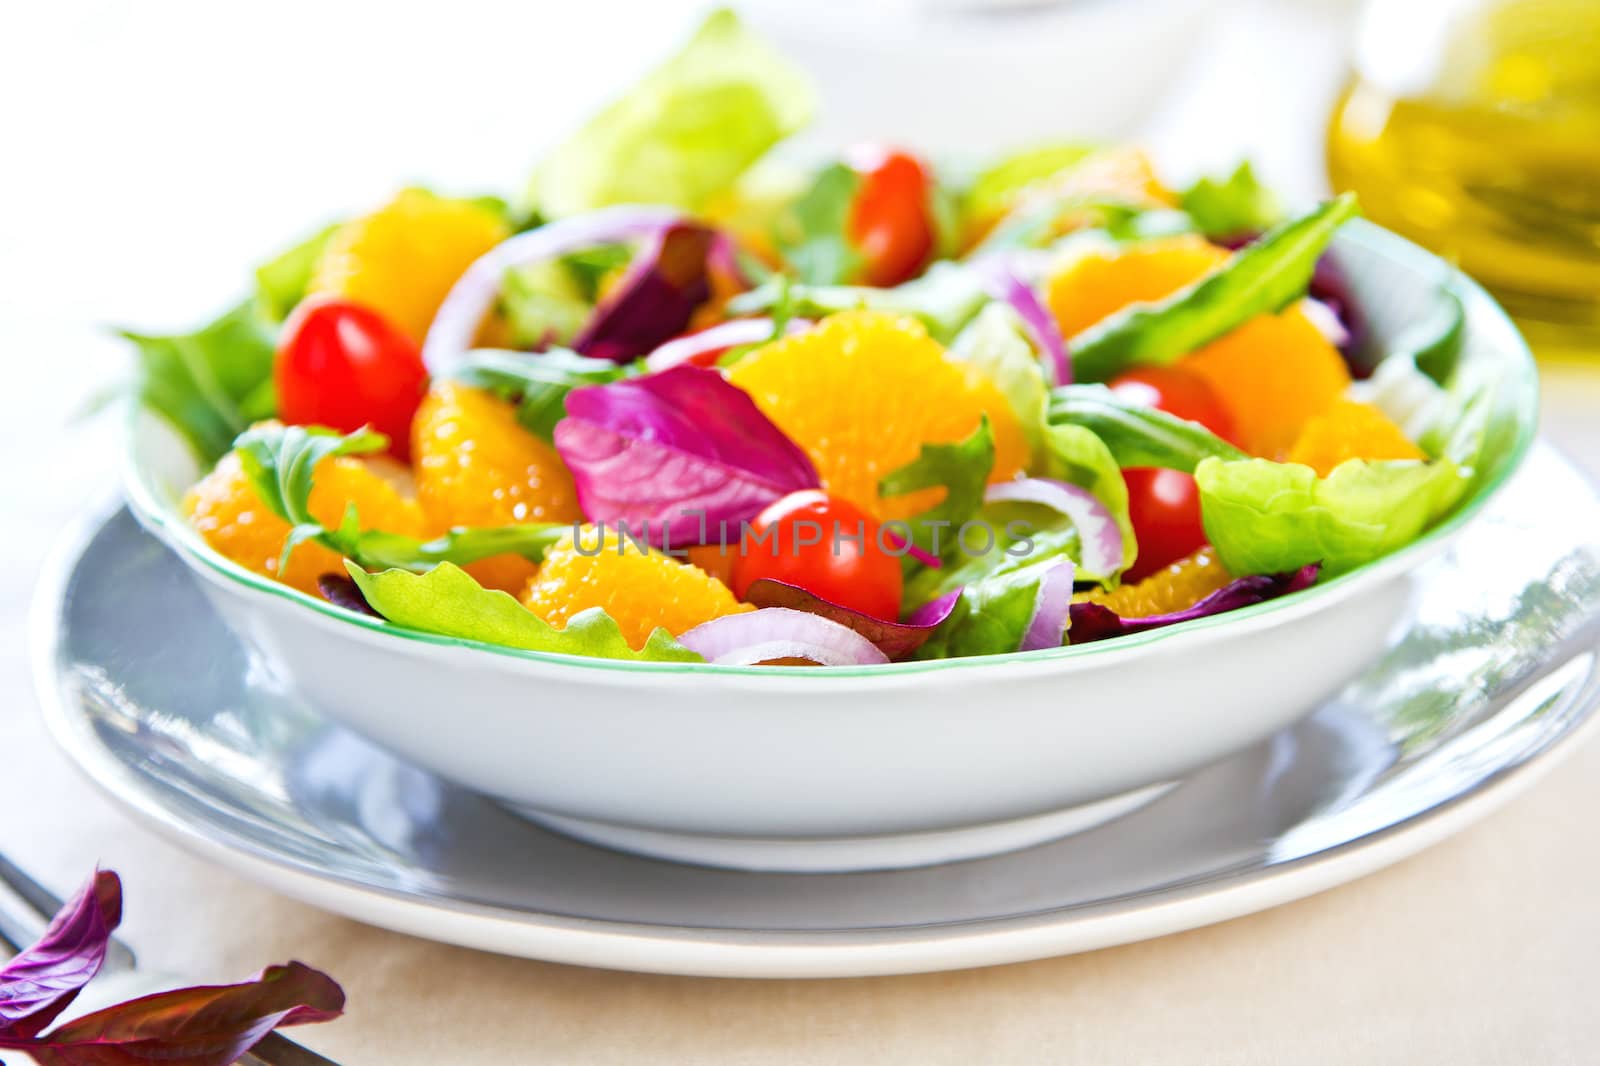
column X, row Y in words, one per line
column 1265, row 276
column 1077, row 455
column 813, row 234
column 537, row 382
column 1264, row 517
column 994, row 610
column 210, row 384
column 962, row 468
column 994, row 190
column 1137, row 435
column 543, row 304
column 282, row 281
column 446, row 601
column 1232, row 206
column 995, row 345
column 683, row 133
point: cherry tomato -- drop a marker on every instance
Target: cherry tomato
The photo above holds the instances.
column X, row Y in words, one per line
column 810, row 539
column 1165, row 508
column 342, row 365
column 891, row 221
column 1177, row 392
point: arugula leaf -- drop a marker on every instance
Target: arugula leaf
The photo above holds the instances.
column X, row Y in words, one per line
column 1137, row 435
column 962, row 468
column 538, row 382
column 996, row 346
column 684, row 132
column 282, row 281
column 1231, row 206
column 1265, row 518
column 1076, row 454
column 212, row 383
column 446, row 601
column 945, row 298
column 813, row 234
column 1263, row 277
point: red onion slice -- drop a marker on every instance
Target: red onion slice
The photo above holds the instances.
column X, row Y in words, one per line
column 1102, row 540
column 894, row 639
column 456, row 322
column 728, row 334
column 1003, row 284
column 1048, row 628
column 780, row 633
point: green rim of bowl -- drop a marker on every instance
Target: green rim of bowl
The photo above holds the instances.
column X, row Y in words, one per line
column 1522, row 383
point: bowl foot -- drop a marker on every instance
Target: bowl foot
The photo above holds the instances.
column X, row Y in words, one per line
column 841, row 854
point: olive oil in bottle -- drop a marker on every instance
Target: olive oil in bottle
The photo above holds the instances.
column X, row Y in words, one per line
column 1473, row 127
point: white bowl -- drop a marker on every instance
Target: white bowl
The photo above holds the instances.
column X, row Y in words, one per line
column 793, row 768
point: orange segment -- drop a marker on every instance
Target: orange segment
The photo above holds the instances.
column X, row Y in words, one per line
column 1274, row 373
column 1350, row 430
column 863, row 392
column 1098, row 284
column 1173, row 588
column 477, row 466
column 640, row 589
column 226, row 511
column 402, row 259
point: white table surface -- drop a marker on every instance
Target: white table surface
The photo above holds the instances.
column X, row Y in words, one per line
column 152, row 151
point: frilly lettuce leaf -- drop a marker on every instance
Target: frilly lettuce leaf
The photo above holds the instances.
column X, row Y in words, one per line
column 1076, row 454
column 1265, row 518
column 446, row 601
column 683, row 133
column 1232, row 206
column 995, row 345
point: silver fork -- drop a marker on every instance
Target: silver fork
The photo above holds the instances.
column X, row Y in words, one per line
column 26, row 907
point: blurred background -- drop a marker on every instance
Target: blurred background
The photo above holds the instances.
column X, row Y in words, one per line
column 155, row 151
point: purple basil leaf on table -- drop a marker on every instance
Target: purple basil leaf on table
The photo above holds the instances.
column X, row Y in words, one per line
column 682, row 450
column 204, row 1026
column 39, row 983
column 894, row 639
column 655, row 299
column 1093, row 621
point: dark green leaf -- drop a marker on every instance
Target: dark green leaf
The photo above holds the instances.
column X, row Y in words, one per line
column 210, row 384
column 1136, row 434
column 962, row 469
column 1263, row 277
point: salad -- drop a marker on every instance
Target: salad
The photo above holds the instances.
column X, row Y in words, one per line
column 684, row 399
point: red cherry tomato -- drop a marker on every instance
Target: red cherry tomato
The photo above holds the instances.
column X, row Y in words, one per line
column 341, row 365
column 1165, row 508
column 891, row 221
column 1176, row 392
column 810, row 539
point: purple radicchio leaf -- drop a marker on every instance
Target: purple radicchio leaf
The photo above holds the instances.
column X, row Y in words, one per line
column 894, row 639
column 38, row 984
column 1094, row 621
column 682, row 450
column 342, row 591
column 656, row 297
column 201, row 1026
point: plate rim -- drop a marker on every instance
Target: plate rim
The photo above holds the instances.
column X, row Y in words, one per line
column 710, row 952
